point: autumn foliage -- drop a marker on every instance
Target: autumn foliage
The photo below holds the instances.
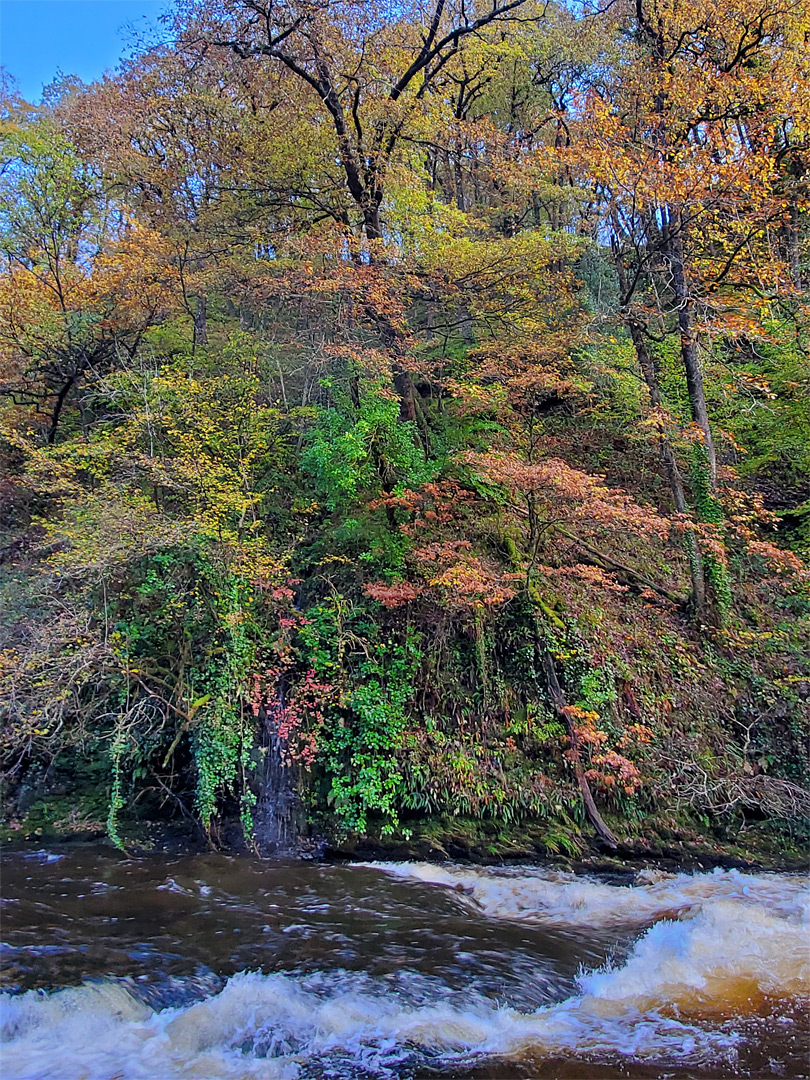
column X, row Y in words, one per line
column 419, row 396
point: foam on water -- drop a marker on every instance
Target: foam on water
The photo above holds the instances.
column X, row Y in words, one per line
column 565, row 899
column 744, row 943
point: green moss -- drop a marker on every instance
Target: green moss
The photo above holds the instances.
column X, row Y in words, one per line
column 76, row 815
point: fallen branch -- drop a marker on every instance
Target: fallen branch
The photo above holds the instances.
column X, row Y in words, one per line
column 607, row 562
column 558, row 701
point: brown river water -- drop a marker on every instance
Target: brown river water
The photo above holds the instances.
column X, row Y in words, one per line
column 210, row 966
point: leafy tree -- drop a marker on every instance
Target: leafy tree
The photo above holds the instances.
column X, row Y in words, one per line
column 410, row 403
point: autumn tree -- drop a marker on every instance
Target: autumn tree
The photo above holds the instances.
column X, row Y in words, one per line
column 81, row 283
column 373, row 77
column 686, row 147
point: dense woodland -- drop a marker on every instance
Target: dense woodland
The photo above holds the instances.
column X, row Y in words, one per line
column 420, row 391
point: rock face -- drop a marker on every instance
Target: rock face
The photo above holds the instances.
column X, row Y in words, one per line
column 278, row 816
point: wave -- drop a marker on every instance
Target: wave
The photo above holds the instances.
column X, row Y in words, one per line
column 665, row 1003
column 274, row 1026
column 564, row 899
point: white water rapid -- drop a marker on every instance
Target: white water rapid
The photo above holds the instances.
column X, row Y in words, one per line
column 716, row 945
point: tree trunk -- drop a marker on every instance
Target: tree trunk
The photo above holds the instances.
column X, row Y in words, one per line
column 201, row 321
column 458, row 177
column 61, row 398
column 794, row 242
column 407, row 393
column 650, row 372
column 689, row 348
column 372, row 225
column 648, row 369
column 409, row 409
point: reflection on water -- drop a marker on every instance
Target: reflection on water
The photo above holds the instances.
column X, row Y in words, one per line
column 212, row 966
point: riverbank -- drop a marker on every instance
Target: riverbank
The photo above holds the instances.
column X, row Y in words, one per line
column 664, row 843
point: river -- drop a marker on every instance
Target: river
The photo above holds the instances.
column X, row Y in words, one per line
column 212, row 966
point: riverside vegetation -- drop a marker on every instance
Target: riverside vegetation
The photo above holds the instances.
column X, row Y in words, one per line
column 418, row 393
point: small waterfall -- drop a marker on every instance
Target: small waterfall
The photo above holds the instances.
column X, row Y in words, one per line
column 278, row 815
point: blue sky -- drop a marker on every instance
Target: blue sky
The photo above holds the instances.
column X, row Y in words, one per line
column 78, row 37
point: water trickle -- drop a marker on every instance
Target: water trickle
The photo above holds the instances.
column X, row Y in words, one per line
column 277, row 817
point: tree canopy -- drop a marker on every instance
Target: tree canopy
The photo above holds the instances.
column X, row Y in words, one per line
column 418, row 392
